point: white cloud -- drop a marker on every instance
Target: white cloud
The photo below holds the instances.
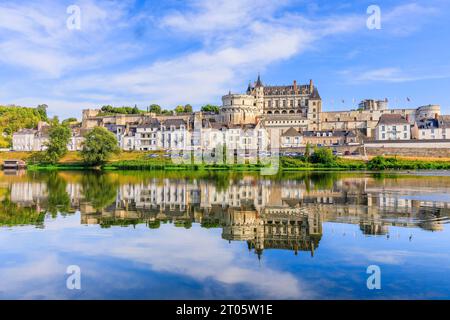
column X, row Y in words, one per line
column 406, row 19
column 36, row 36
column 254, row 36
column 391, row 74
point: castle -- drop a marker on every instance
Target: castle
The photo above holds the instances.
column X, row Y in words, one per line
column 288, row 117
column 300, row 107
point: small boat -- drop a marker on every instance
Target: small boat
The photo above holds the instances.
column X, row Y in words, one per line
column 14, row 164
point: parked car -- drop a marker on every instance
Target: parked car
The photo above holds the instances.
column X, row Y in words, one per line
column 347, row 153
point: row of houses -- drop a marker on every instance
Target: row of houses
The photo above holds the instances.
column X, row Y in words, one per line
column 37, row 139
column 203, row 133
column 397, row 127
column 173, row 134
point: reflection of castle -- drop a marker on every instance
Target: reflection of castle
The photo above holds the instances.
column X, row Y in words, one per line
column 279, row 214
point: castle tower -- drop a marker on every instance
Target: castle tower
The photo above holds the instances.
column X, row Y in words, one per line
column 259, row 95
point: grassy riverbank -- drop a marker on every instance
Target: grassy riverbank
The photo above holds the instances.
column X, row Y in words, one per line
column 161, row 161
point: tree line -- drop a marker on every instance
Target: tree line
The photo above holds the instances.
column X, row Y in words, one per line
column 155, row 108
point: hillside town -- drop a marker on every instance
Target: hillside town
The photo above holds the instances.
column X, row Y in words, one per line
column 287, row 117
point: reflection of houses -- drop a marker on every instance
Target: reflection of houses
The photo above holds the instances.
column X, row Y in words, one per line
column 266, row 213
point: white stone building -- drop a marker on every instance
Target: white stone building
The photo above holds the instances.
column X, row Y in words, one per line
column 292, row 139
column 393, row 127
column 431, row 129
column 31, row 139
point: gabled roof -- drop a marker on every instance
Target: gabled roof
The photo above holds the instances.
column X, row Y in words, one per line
column 291, row 132
column 388, row 119
column 444, row 121
column 174, row 122
column 150, row 123
column 26, row 131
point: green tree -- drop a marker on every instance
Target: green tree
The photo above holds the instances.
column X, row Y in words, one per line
column 179, row 109
column 69, row 121
column 99, row 146
column 13, row 118
column 210, row 108
column 57, row 145
column 188, row 108
column 155, row 109
column 42, row 109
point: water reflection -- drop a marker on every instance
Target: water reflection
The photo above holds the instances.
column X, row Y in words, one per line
column 281, row 212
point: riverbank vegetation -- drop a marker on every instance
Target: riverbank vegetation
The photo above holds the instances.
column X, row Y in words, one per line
column 285, row 164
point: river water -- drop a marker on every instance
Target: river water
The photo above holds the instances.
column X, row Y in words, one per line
column 196, row 235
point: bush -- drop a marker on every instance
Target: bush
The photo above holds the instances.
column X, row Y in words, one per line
column 323, row 156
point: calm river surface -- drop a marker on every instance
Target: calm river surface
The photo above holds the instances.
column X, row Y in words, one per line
column 192, row 235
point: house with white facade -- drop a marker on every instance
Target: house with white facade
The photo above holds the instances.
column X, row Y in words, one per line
column 148, row 136
column 31, row 139
column 437, row 128
column 393, row 127
column 291, row 139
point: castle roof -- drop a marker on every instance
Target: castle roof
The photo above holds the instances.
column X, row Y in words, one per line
column 286, row 90
column 259, row 82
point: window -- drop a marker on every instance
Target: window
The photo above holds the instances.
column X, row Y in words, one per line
column 383, row 128
column 405, row 135
column 405, row 128
column 383, row 136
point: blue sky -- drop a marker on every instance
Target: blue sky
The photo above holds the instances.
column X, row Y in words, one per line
column 177, row 52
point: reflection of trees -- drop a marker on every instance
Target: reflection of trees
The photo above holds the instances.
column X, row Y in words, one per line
column 323, row 181
column 99, row 189
column 13, row 215
column 58, row 198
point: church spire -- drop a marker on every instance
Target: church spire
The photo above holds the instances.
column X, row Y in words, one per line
column 258, row 82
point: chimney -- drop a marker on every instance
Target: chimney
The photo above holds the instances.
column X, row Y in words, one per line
column 311, row 86
column 295, row 86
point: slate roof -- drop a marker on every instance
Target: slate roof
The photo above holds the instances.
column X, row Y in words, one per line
column 174, row 122
column 336, row 133
column 150, row 123
column 291, row 132
column 392, row 119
